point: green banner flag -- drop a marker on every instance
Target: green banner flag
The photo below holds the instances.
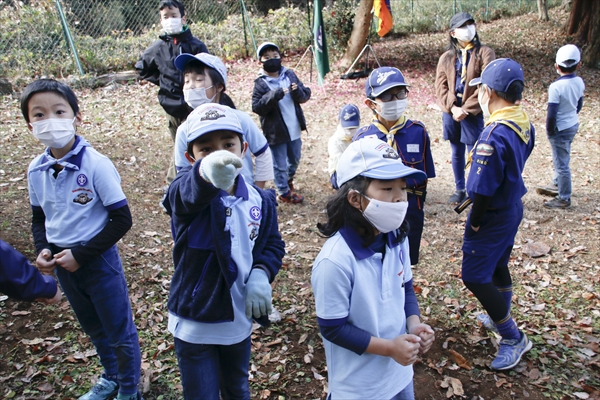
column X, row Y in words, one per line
column 320, row 45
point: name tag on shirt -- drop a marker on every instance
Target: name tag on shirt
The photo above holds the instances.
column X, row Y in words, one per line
column 412, row 148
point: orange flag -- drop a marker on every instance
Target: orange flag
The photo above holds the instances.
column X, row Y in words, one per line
column 383, row 12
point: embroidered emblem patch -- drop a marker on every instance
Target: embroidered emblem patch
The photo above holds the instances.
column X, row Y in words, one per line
column 212, row 115
column 255, row 213
column 347, row 116
column 391, row 154
column 253, row 233
column 383, row 77
column 81, row 179
column 484, row 150
column 82, row 198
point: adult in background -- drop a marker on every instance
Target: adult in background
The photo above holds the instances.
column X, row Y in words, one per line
column 462, row 119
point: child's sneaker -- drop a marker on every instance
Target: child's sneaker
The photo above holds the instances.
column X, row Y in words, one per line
column 485, row 321
column 510, row 352
column 102, row 390
column 557, row 202
column 548, row 190
column 291, row 197
column 136, row 396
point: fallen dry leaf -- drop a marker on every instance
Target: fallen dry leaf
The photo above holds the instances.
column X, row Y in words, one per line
column 460, row 360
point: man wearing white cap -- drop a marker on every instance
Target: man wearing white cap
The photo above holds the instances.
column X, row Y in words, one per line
column 565, row 100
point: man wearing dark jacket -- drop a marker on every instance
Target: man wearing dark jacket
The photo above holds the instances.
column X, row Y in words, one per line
column 157, row 66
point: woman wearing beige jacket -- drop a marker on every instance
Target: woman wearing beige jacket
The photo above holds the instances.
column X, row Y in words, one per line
column 462, row 118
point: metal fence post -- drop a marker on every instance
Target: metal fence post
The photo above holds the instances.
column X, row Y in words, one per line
column 245, row 12
column 68, row 37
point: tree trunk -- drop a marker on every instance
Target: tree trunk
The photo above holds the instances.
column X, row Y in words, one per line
column 584, row 23
column 543, row 10
column 360, row 32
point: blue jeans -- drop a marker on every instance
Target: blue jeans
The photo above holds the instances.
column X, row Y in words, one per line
column 97, row 292
column 207, row 369
column 286, row 158
column 560, row 141
column 461, row 134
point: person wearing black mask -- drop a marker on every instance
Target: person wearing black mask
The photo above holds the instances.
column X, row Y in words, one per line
column 276, row 98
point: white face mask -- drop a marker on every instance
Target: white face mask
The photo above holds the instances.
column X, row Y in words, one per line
column 485, row 109
column 465, row 34
column 54, row 132
column 392, row 110
column 197, row 97
column 350, row 132
column 172, row 26
column 383, row 215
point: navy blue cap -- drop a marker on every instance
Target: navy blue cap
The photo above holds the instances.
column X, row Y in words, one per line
column 382, row 79
column 499, row 74
column 459, row 19
column 349, row 116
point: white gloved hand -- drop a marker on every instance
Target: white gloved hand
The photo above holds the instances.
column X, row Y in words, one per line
column 220, row 168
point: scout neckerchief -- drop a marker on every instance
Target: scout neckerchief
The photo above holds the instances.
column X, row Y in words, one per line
column 515, row 118
column 464, row 51
column 390, row 134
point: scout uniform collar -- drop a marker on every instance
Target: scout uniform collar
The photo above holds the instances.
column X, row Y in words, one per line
column 515, row 118
column 390, row 134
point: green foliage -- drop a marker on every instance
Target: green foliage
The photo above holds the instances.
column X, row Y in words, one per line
column 339, row 20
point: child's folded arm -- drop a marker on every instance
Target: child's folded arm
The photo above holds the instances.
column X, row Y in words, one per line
column 262, row 104
column 119, row 222
column 344, row 334
column 38, row 228
column 189, row 193
column 302, row 94
column 146, row 67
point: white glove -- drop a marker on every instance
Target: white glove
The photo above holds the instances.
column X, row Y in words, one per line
column 220, row 168
column 258, row 294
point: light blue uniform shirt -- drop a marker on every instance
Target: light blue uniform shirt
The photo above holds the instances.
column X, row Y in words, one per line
column 566, row 92
column 76, row 203
column 257, row 145
column 286, row 104
column 243, row 225
column 350, row 283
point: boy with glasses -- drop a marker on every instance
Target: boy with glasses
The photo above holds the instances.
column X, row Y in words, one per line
column 387, row 95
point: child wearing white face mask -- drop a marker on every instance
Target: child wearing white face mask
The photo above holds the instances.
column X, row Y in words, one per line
column 205, row 81
column 462, row 118
column 156, row 66
column 366, row 307
column 387, row 96
column 79, row 214
column 348, row 126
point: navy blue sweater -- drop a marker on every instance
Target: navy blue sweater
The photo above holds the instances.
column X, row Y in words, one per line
column 204, row 269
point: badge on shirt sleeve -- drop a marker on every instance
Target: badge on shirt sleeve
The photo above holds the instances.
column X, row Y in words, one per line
column 484, row 150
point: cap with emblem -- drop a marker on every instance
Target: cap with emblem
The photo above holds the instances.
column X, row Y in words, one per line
column 373, row 158
column 459, row 19
column 349, row 116
column 209, row 118
column 382, row 79
column 499, row 74
column 209, row 60
column 568, row 56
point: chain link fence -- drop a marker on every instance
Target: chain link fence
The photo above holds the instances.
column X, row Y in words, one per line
column 64, row 37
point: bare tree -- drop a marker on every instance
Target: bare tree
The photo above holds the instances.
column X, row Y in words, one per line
column 584, row 23
column 543, row 10
column 360, row 32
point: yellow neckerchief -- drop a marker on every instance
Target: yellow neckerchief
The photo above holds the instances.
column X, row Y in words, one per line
column 515, row 118
column 463, row 73
column 390, row 134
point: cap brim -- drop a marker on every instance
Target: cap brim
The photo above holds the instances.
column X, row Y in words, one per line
column 182, row 60
column 380, row 90
column 475, row 82
column 394, row 172
column 460, row 23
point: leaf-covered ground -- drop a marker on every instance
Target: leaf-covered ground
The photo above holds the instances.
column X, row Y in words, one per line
column 45, row 355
